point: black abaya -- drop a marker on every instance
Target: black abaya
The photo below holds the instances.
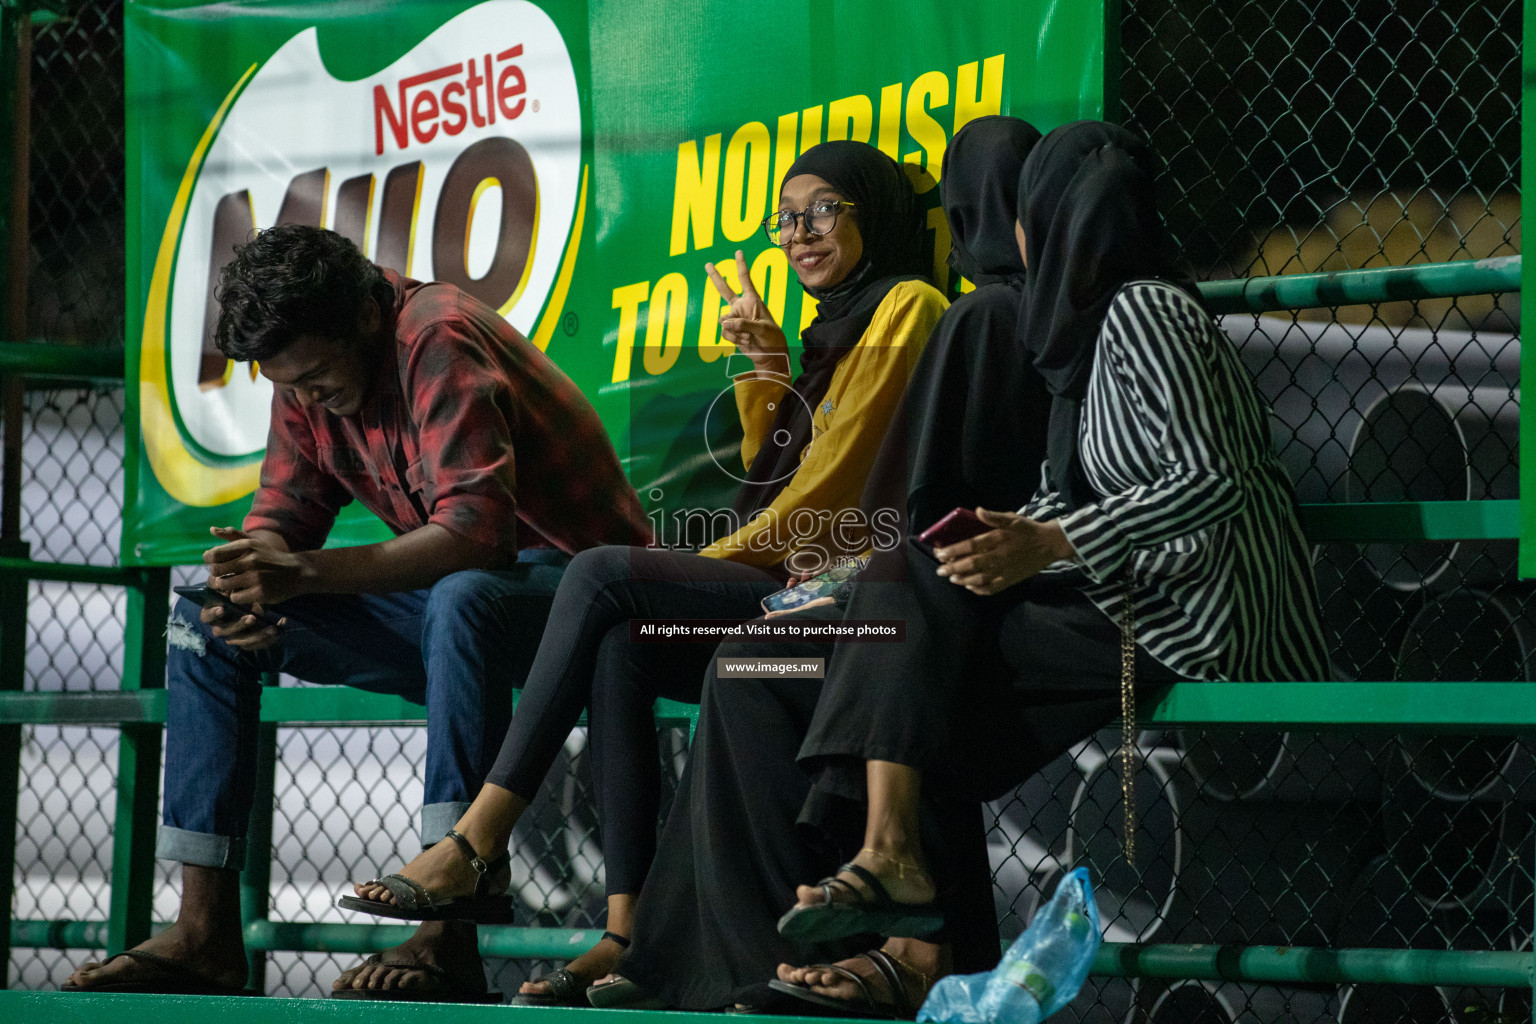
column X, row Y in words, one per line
column 732, row 853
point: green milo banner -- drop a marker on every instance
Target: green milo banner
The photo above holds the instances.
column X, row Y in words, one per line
column 572, row 164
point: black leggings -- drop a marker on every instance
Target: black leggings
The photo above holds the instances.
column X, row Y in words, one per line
column 586, row 659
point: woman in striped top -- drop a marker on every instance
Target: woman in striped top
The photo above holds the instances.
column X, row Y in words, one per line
column 1162, row 511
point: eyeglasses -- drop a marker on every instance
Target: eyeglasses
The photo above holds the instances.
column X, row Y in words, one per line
column 819, row 218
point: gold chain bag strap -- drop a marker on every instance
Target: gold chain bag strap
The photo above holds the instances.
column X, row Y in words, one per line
column 1128, row 717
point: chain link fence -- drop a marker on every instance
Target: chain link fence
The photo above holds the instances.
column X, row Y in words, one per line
column 1299, row 135
column 1304, row 136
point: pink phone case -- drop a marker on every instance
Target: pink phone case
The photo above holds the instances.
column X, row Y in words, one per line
column 960, row 524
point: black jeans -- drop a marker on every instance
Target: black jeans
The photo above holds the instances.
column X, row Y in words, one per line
column 586, row 659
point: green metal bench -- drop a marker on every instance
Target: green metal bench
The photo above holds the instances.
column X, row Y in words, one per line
column 138, row 710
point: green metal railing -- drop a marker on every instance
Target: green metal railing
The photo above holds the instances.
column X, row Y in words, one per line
column 1353, row 287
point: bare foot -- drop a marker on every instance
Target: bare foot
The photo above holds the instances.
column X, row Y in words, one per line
column 450, row 946
column 441, row 869
column 905, row 885
column 217, row 958
column 916, row 962
column 591, row 967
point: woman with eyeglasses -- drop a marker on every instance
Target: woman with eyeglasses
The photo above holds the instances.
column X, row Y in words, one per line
column 850, row 226
column 745, row 826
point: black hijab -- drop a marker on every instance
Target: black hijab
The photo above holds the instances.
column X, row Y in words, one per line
column 1088, row 205
column 891, row 230
column 972, row 431
column 980, row 186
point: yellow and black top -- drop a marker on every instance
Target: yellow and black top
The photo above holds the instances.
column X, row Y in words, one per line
column 817, row 512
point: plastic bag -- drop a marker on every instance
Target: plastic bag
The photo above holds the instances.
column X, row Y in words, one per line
column 1041, row 972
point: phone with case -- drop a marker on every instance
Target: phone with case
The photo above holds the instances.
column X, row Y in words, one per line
column 957, row 525
column 834, row 583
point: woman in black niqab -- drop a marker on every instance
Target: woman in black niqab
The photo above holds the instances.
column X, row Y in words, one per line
column 1030, row 655
column 1166, row 526
column 1088, row 210
column 972, row 430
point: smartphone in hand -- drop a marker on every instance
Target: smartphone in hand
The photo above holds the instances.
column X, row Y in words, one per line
column 206, row 597
column 834, row 584
column 957, row 525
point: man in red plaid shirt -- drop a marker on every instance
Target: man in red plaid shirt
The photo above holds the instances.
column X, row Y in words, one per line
column 490, row 467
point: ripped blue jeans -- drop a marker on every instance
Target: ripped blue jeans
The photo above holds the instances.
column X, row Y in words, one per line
column 460, row 648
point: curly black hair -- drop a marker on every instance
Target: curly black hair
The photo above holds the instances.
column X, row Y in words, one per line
column 294, row 280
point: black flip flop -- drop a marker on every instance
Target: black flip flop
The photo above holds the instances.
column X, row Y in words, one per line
column 798, row 1000
column 871, row 911
column 414, row 902
column 441, row 994
column 174, row 979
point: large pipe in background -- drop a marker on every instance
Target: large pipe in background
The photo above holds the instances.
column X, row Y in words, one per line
column 1136, row 903
column 1290, row 767
column 1380, row 913
column 1521, row 892
column 1464, row 636
column 1193, row 1002
column 1319, row 378
column 1027, row 840
column 1239, row 1003
column 1420, row 442
column 1458, row 861
column 1105, row 1000
column 1451, row 855
column 1391, row 1004
column 1270, row 874
column 1363, row 620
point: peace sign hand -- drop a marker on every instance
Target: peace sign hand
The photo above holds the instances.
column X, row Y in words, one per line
column 750, row 327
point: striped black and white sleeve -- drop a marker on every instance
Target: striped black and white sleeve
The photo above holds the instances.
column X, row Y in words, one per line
column 1162, row 423
column 1046, row 502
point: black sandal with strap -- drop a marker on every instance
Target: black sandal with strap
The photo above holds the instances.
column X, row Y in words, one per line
column 565, row 989
column 488, row 904
column 870, row 911
column 799, row 1000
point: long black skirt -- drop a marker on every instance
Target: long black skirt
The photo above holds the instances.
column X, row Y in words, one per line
column 744, row 830
column 983, row 692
